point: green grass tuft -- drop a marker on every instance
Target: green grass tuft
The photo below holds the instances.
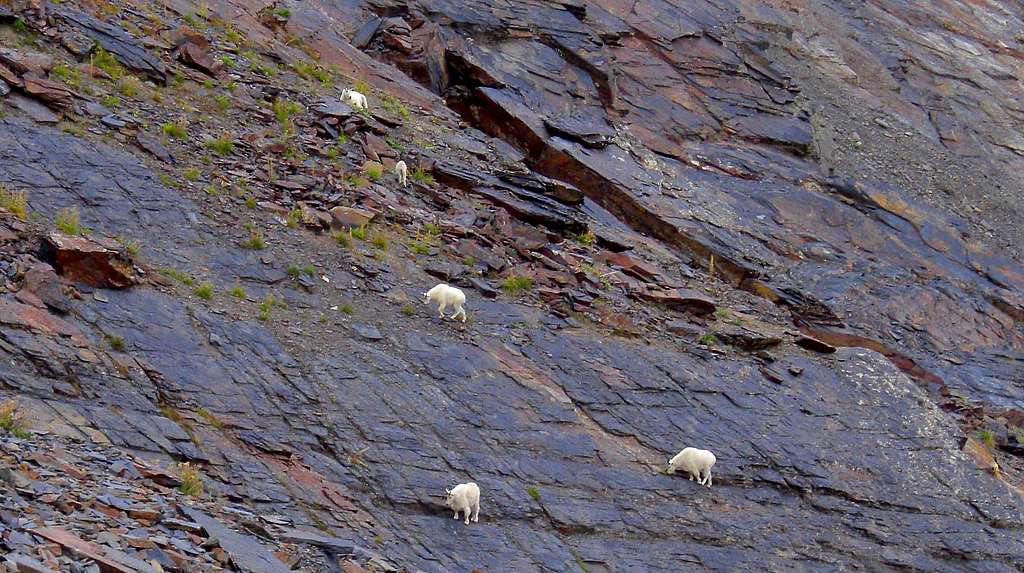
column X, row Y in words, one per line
column 516, row 284
column 221, row 145
column 421, row 176
column 11, row 421
column 191, row 480
column 175, row 130
column 255, row 241
column 204, row 290
column 14, row 201
column 237, row 291
column 69, row 222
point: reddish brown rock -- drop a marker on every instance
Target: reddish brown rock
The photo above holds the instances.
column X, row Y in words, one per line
column 314, row 218
column 350, row 217
column 192, row 50
column 815, row 345
column 26, row 62
column 52, row 93
column 43, row 282
column 89, row 261
column 109, row 560
column 630, row 265
column 680, row 299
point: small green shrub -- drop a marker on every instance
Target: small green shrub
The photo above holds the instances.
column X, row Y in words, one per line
column 115, row 342
column 342, row 138
column 987, row 437
column 223, row 102
column 176, row 275
column 250, row 202
column 362, row 87
column 175, row 130
column 234, row 36
column 309, row 270
column 586, row 238
column 228, row 60
column 533, row 492
column 11, row 420
column 130, row 245
column 110, row 101
column 68, row 221
column 66, row 74
column 421, row 176
column 221, row 145
column 347, row 308
column 204, row 290
column 282, row 12
column 408, row 309
column 358, row 232
column 191, row 480
column 342, row 238
column 209, row 417
column 14, row 201
column 392, row 105
column 432, row 229
column 255, row 241
column 373, row 170
column 284, row 110
column 516, row 284
column 380, row 242
column 393, row 143
column 192, row 174
column 294, row 216
column 266, row 306
column 105, row 61
column 708, row 339
column 331, row 153
column 128, row 86
column 419, row 246
column 237, row 291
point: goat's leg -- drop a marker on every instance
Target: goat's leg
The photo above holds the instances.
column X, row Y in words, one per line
column 459, row 310
column 476, row 511
column 440, row 309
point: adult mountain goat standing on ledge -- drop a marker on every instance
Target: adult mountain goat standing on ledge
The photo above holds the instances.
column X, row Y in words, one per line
column 445, row 295
column 697, row 463
column 464, row 497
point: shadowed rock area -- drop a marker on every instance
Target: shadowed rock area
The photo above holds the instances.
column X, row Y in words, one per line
column 666, row 233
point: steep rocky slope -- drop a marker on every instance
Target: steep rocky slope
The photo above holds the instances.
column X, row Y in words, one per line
column 782, row 231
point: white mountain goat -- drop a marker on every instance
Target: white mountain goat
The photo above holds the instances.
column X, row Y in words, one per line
column 354, row 99
column 445, row 295
column 402, row 171
column 697, row 463
column 464, row 497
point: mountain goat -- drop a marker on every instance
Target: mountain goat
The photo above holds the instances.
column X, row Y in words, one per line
column 696, row 462
column 354, row 99
column 402, row 171
column 464, row 497
column 445, row 295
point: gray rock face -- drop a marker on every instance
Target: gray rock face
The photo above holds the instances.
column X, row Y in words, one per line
column 836, row 460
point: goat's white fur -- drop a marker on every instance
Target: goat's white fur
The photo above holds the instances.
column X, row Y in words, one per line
column 445, row 295
column 697, row 463
column 402, row 170
column 464, row 497
column 354, row 99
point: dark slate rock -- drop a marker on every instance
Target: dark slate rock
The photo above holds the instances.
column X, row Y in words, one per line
column 114, row 40
column 244, row 550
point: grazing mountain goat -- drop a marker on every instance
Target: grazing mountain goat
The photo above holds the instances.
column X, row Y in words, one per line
column 354, row 99
column 464, row 497
column 696, row 462
column 402, row 171
column 444, row 295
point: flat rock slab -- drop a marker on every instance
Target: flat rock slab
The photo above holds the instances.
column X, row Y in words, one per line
column 246, row 553
column 109, row 560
